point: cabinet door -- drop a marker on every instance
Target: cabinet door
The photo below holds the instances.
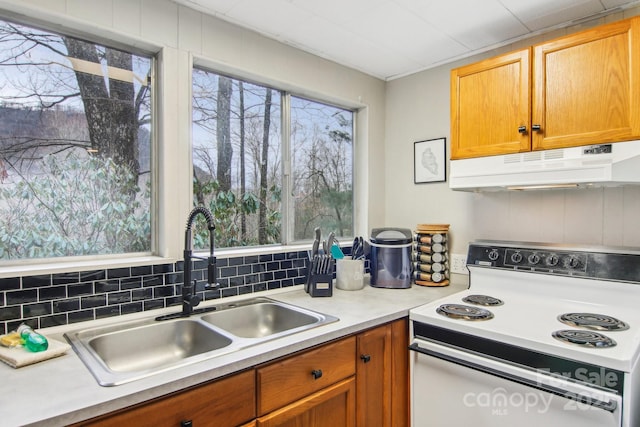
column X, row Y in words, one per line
column 333, row 406
column 400, row 409
column 491, row 106
column 228, row 402
column 374, row 378
column 586, row 87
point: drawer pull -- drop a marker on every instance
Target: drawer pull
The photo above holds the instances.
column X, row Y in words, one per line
column 366, row 358
column 536, row 128
column 186, row 423
column 522, row 129
column 316, row 373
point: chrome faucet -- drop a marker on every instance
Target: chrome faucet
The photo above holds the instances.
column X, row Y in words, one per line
column 189, row 297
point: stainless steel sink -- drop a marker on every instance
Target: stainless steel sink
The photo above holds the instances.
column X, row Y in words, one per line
column 123, row 352
column 155, row 345
column 262, row 319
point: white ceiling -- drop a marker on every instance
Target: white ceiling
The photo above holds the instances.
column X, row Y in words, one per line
column 393, row 38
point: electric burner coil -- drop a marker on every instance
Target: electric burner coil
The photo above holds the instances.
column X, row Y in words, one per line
column 464, row 312
column 598, row 322
column 482, row 300
column 584, row 338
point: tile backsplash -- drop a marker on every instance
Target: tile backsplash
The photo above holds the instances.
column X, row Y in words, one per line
column 64, row 298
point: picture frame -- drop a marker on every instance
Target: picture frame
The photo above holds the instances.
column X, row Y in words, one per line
column 429, row 161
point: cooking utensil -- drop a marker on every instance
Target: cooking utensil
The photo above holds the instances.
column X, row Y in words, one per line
column 357, row 250
column 336, row 252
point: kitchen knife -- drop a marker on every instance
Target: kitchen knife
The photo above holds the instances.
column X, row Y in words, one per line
column 316, row 242
column 330, row 239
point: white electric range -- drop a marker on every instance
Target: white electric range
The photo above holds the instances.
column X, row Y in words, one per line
column 545, row 334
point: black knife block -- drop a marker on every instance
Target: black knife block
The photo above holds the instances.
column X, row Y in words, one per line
column 320, row 285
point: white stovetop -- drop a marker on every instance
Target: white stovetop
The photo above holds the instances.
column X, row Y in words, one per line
column 531, row 306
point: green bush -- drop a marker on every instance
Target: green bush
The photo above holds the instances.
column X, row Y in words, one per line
column 75, row 205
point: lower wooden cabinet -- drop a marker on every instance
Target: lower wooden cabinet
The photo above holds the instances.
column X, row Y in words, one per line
column 228, row 402
column 358, row 381
column 374, row 377
column 333, row 406
column 382, row 376
column 400, row 397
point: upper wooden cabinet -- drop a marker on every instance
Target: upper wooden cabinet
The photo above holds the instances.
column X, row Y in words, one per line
column 490, row 100
column 585, row 87
column 576, row 90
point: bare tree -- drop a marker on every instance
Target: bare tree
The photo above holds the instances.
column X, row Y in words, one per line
column 110, row 111
column 223, row 129
column 243, row 178
column 264, row 161
column 111, row 106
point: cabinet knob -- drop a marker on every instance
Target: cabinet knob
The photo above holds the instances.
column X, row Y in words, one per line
column 522, row 129
column 365, row 358
column 186, row 423
column 316, row 373
column 536, row 128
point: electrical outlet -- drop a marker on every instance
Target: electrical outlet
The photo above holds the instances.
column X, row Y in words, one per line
column 459, row 264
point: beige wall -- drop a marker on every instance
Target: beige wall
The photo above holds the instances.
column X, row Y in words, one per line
column 182, row 36
column 418, row 109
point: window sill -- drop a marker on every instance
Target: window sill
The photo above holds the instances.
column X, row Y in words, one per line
column 75, row 265
column 64, row 266
column 257, row 250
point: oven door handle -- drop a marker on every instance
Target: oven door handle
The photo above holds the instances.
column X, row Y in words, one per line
column 609, row 406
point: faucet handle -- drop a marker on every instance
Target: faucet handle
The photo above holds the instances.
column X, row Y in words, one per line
column 191, row 298
column 194, row 300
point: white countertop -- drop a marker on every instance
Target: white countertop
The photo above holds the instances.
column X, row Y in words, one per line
column 62, row 391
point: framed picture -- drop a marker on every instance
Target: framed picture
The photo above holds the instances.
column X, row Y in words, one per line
column 429, row 161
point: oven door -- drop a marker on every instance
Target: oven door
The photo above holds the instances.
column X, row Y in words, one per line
column 457, row 388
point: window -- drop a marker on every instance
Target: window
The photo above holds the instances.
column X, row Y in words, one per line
column 240, row 155
column 75, row 146
column 322, row 168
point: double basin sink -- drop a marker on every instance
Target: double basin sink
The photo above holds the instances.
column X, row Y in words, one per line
column 128, row 351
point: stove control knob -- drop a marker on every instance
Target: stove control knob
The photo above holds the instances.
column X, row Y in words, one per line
column 533, row 259
column 571, row 262
column 516, row 257
column 493, row 254
column 552, row 260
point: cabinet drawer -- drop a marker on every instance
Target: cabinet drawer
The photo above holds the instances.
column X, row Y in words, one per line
column 223, row 403
column 286, row 381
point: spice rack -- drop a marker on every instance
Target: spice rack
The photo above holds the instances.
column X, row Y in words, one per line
column 431, row 255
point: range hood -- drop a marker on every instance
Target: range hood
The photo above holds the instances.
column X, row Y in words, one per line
column 587, row 166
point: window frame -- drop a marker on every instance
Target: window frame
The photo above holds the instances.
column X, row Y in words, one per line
column 11, row 267
column 286, row 91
